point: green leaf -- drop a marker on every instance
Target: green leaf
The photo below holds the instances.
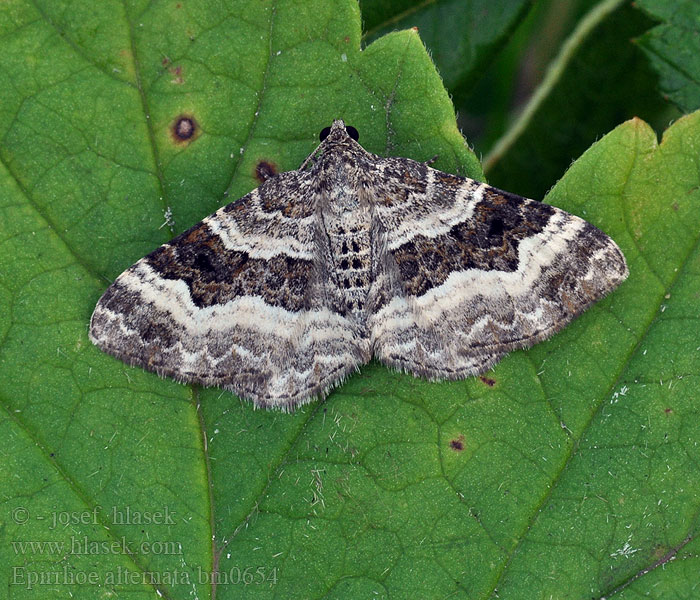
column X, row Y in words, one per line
column 580, row 451
column 462, row 37
column 598, row 80
column 673, row 49
column 92, row 177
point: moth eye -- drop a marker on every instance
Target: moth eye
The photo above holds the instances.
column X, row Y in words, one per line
column 324, row 133
column 352, row 132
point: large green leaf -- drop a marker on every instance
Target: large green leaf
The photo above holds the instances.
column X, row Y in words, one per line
column 673, row 49
column 92, row 178
column 393, row 487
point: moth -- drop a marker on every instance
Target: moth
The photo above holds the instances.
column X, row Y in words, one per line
column 285, row 292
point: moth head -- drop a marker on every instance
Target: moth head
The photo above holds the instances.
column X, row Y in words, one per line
column 339, row 131
column 338, row 146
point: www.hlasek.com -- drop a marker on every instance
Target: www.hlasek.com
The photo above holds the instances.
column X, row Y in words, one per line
column 83, row 545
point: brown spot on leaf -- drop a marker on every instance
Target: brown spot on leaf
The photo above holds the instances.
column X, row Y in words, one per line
column 457, row 444
column 668, row 411
column 177, row 79
column 264, row 169
column 488, row 381
column 184, row 129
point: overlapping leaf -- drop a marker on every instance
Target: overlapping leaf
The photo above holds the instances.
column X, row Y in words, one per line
column 462, row 37
column 673, row 48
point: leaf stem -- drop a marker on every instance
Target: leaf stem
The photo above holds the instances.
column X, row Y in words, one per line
column 554, row 72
